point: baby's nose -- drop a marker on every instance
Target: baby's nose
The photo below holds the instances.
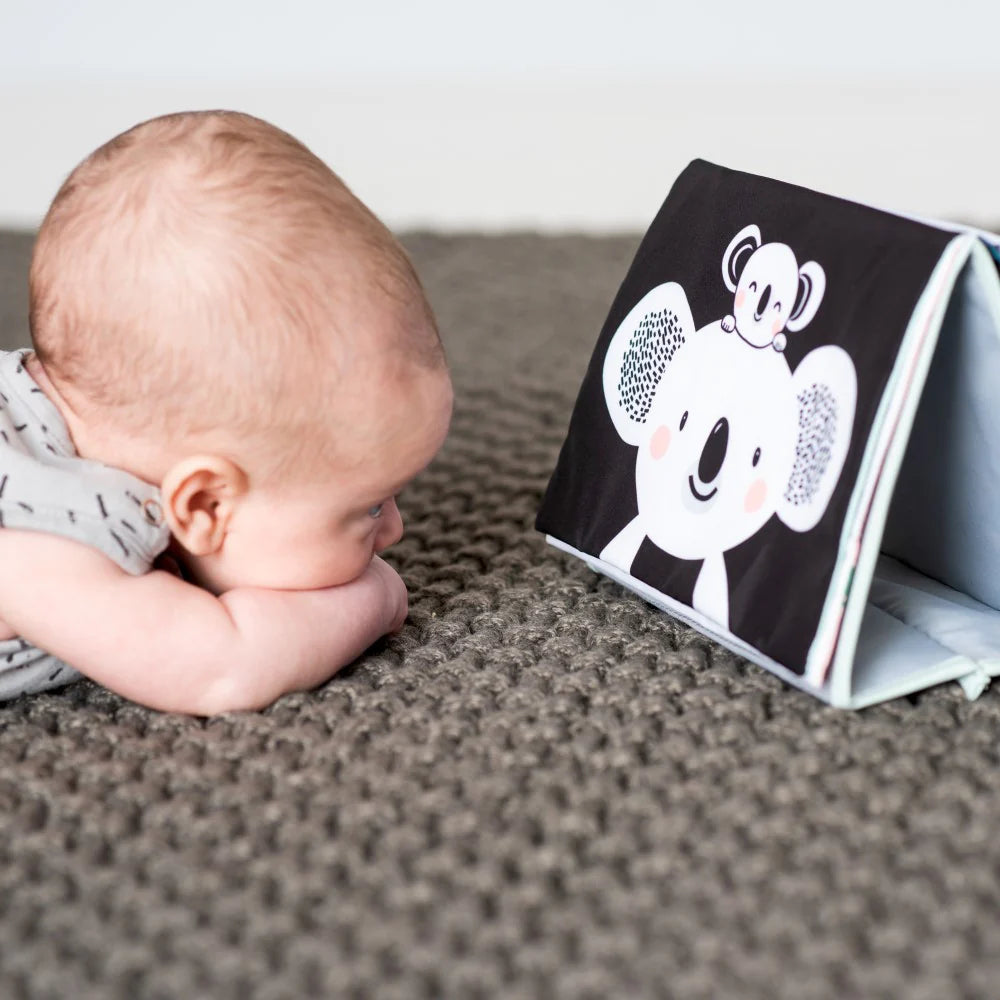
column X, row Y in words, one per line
column 391, row 529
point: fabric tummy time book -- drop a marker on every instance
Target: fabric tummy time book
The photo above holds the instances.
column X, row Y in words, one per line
column 789, row 437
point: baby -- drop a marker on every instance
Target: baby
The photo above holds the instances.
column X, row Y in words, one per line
column 233, row 358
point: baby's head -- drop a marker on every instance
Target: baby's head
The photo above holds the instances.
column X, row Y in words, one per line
column 215, row 312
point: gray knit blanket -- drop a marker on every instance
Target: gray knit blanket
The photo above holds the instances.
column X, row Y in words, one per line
column 541, row 788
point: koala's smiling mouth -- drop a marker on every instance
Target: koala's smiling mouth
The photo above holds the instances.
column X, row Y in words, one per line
column 701, row 496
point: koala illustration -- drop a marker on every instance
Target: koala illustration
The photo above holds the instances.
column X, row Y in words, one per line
column 727, row 435
column 773, row 293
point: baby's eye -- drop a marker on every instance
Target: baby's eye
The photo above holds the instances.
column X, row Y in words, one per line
column 376, row 511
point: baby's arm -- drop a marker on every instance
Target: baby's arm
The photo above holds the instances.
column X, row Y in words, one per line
column 172, row 646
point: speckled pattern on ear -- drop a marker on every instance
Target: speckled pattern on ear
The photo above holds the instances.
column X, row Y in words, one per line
column 651, row 348
column 541, row 789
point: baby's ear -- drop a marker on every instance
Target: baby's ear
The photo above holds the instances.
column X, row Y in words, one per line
column 199, row 495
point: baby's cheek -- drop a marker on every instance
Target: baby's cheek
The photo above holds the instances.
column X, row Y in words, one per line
column 755, row 497
column 659, row 442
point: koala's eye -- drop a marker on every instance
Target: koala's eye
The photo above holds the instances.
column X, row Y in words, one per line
column 753, row 286
column 756, row 457
column 777, row 307
column 684, row 419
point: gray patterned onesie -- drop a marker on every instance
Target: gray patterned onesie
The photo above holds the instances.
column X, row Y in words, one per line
column 46, row 486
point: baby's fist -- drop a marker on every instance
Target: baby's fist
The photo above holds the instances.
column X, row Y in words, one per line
column 395, row 601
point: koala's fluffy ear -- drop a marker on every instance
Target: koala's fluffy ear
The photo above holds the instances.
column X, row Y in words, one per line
column 738, row 253
column 640, row 350
column 812, row 285
column 825, row 387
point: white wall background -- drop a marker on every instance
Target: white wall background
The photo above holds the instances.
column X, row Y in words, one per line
column 453, row 114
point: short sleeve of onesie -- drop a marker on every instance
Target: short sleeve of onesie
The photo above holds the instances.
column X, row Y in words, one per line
column 46, row 486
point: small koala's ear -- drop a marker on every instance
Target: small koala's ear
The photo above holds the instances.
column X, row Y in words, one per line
column 737, row 253
column 640, row 350
column 825, row 387
column 812, row 285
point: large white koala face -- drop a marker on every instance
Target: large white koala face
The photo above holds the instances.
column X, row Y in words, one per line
column 727, row 435
column 718, row 446
column 766, row 293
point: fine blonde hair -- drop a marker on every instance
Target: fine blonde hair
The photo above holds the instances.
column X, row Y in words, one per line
column 198, row 271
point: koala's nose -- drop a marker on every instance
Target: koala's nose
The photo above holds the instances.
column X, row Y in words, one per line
column 714, row 452
column 765, row 297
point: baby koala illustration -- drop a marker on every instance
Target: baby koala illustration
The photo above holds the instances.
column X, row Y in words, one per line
column 727, row 435
column 773, row 293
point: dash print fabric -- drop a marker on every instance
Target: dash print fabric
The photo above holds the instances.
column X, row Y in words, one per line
column 719, row 431
column 46, row 486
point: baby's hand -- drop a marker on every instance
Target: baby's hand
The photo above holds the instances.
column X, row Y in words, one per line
column 394, row 592
column 316, row 631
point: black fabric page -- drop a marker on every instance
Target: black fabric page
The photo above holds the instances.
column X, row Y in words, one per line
column 874, row 265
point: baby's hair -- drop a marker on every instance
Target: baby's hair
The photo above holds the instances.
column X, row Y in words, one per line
column 205, row 269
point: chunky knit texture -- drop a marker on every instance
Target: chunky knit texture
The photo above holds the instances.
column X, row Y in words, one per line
column 542, row 788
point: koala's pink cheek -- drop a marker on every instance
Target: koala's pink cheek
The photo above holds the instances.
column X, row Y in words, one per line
column 778, row 326
column 755, row 497
column 741, row 297
column 659, row 442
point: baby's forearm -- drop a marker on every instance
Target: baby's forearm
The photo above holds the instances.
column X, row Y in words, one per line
column 307, row 635
column 248, row 647
column 169, row 645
